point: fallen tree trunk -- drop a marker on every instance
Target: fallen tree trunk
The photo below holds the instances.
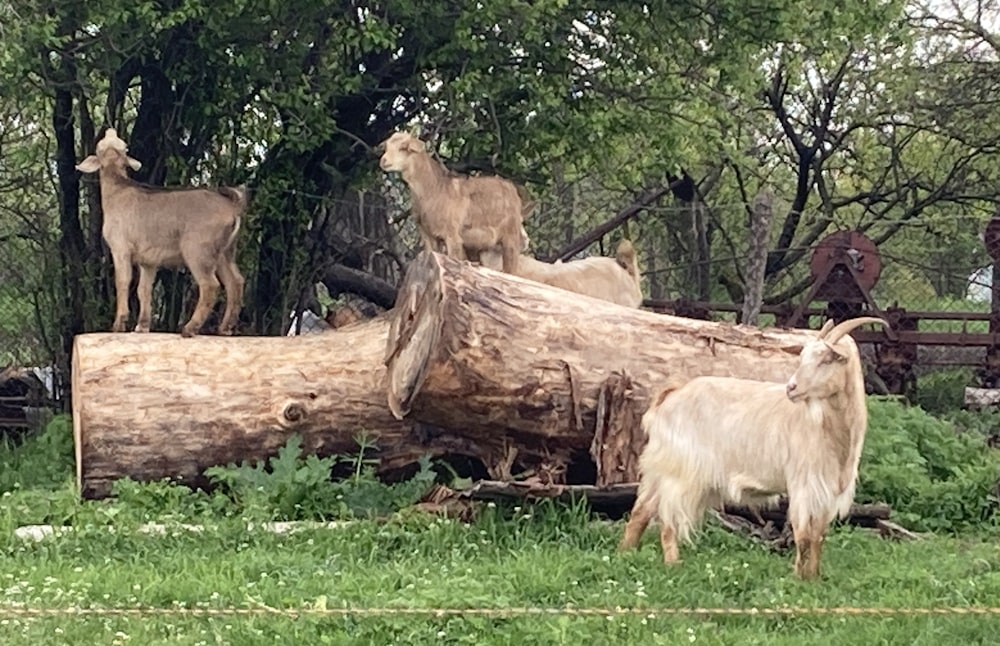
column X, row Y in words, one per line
column 151, row 406
column 544, row 379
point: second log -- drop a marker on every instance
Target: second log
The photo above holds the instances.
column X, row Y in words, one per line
column 548, row 380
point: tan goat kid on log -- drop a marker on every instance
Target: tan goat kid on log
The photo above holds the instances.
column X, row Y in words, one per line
column 716, row 440
column 156, row 227
column 610, row 279
column 466, row 213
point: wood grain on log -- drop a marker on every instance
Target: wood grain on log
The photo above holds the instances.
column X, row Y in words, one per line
column 151, row 406
column 522, row 369
column 981, row 397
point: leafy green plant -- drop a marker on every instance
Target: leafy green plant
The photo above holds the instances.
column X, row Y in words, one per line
column 292, row 487
column 934, row 477
column 44, row 460
column 942, row 391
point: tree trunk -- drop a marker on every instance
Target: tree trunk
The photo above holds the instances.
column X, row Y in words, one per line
column 151, row 406
column 760, row 226
column 546, row 379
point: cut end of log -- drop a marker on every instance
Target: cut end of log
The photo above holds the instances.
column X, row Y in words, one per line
column 414, row 332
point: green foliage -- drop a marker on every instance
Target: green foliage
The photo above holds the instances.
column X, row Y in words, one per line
column 934, row 478
column 290, row 487
column 943, row 391
column 42, row 461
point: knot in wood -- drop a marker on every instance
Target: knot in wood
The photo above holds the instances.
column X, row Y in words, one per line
column 294, row 412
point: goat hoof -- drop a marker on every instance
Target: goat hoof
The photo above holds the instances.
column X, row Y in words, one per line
column 186, row 333
column 141, row 329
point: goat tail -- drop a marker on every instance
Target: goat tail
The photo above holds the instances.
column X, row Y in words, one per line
column 239, row 195
column 231, row 241
column 625, row 255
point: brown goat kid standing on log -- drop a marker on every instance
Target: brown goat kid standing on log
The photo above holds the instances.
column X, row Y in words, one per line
column 719, row 439
column 156, row 227
column 466, row 213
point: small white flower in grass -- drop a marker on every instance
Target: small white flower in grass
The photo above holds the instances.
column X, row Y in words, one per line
column 136, row 586
column 59, row 630
column 606, row 558
column 489, row 505
column 78, row 569
column 441, row 633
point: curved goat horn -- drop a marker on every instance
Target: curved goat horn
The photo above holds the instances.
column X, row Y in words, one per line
column 823, row 331
column 846, row 326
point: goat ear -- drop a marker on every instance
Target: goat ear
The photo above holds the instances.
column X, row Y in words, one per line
column 836, row 354
column 89, row 165
column 414, row 145
column 134, row 164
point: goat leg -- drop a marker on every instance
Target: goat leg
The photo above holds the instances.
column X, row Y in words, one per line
column 808, row 533
column 642, row 513
column 511, row 253
column 208, row 291
column 233, row 282
column 430, row 242
column 454, row 248
column 668, row 541
column 123, row 280
column 147, row 274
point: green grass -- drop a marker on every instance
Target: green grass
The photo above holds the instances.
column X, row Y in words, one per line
column 553, row 557
column 544, row 555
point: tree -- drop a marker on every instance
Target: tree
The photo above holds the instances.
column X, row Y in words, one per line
column 291, row 98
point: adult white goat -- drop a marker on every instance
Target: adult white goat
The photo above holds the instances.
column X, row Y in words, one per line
column 154, row 227
column 466, row 213
column 718, row 439
column 610, row 279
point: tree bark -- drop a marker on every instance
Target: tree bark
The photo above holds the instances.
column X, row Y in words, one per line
column 151, row 406
column 546, row 379
column 369, row 286
column 760, row 226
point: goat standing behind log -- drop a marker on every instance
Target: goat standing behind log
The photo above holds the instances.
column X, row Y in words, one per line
column 610, row 279
column 475, row 213
column 717, row 439
column 156, row 227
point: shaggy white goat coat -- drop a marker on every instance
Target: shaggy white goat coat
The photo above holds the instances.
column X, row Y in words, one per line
column 718, row 439
column 752, row 444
